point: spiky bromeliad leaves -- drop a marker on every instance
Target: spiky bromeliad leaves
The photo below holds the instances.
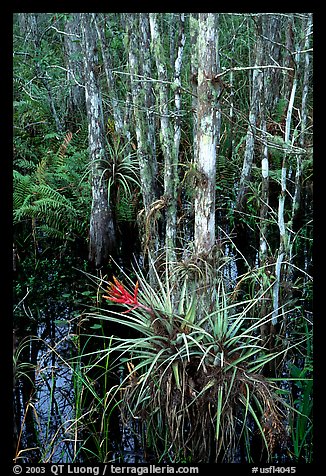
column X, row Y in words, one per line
column 197, row 384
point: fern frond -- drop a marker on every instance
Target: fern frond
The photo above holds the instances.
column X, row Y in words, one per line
column 63, row 147
column 40, row 172
column 25, row 165
column 23, row 187
column 126, row 207
column 48, row 206
column 53, row 232
column 45, row 205
column 46, row 191
column 225, row 176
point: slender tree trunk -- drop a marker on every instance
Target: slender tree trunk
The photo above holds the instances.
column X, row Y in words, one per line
column 288, row 58
column 193, row 26
column 306, row 73
column 115, row 107
column 284, row 245
column 231, row 116
column 177, row 86
column 74, row 64
column 270, row 92
column 206, row 135
column 167, row 138
column 257, row 81
column 285, row 270
column 172, row 22
column 272, row 32
column 139, row 62
column 102, row 230
column 263, row 230
column 171, row 237
column 264, row 196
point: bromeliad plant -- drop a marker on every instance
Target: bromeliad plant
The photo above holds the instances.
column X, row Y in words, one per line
column 194, row 378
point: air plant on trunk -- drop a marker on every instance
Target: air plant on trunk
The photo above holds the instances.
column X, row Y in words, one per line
column 197, row 385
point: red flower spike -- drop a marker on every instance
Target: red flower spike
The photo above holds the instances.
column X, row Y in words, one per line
column 119, row 294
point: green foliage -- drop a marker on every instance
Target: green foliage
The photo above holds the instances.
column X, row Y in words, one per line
column 225, row 179
column 22, row 369
column 301, row 414
column 51, row 199
column 277, row 149
column 192, row 371
column 301, row 419
column 52, row 214
column 122, row 167
column 122, row 170
column 95, row 422
column 126, row 209
column 280, row 110
column 194, row 376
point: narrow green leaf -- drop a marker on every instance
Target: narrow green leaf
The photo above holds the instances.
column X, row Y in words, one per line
column 175, row 368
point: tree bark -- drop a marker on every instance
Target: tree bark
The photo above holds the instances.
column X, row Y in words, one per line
column 112, row 90
column 193, row 26
column 284, row 245
column 306, row 72
column 288, row 60
column 139, row 63
column 257, row 82
column 74, row 64
column 207, row 134
column 167, row 138
column 263, row 230
column 271, row 32
column 282, row 269
column 102, row 230
column 171, row 226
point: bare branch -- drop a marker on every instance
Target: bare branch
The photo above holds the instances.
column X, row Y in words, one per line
column 64, row 33
column 244, row 68
column 68, row 71
column 145, row 78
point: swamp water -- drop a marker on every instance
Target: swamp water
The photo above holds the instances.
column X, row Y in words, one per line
column 46, row 387
column 47, row 427
column 44, row 396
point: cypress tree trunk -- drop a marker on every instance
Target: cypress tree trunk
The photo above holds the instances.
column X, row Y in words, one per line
column 272, row 37
column 116, row 111
column 171, row 237
column 264, row 206
column 207, row 133
column 193, row 26
column 306, row 73
column 74, row 64
column 139, row 63
column 285, row 270
column 288, row 60
column 257, row 81
column 284, row 245
column 170, row 139
column 102, row 230
column 166, row 136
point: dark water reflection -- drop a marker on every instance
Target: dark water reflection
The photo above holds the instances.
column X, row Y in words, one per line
column 44, row 395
